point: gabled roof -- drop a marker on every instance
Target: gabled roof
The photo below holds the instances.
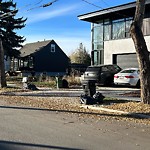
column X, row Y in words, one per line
column 117, row 12
column 31, row 48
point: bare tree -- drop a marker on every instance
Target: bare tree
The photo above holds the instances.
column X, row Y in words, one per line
column 141, row 50
column 80, row 56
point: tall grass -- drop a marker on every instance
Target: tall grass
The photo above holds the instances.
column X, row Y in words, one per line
column 73, row 81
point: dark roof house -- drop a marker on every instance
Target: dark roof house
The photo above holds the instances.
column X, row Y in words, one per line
column 43, row 56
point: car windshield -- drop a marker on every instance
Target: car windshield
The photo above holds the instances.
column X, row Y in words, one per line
column 117, row 68
column 128, row 71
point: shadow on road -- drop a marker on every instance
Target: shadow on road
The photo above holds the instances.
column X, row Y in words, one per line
column 52, row 94
column 9, row 145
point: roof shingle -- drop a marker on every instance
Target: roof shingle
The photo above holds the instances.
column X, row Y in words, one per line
column 31, row 48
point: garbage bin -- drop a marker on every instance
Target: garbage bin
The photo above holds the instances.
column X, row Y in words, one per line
column 89, row 87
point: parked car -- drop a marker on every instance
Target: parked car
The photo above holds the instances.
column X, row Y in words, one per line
column 129, row 77
column 102, row 74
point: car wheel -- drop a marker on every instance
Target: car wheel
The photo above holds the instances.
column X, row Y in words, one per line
column 108, row 82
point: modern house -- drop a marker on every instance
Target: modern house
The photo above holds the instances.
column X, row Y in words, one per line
column 42, row 57
column 111, row 41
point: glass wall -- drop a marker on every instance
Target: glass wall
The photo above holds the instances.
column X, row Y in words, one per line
column 118, row 29
column 107, row 30
column 95, row 56
column 97, row 43
column 128, row 22
column 146, row 26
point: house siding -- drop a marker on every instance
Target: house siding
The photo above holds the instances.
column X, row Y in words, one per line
column 47, row 57
column 47, row 61
column 122, row 46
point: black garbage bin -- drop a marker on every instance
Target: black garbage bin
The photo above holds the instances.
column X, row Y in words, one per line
column 89, row 87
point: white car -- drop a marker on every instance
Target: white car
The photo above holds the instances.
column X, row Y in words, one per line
column 129, row 77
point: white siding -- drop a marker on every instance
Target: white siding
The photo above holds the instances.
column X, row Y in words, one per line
column 120, row 47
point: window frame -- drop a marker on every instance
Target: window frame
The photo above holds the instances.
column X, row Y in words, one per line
column 53, row 48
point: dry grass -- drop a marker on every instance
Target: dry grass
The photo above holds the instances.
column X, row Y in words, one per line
column 73, row 80
column 44, row 82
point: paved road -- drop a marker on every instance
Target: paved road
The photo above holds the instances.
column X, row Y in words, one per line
column 31, row 128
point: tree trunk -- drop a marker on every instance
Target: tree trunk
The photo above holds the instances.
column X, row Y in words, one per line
column 142, row 51
column 2, row 70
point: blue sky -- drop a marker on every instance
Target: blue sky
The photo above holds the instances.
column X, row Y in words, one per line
column 60, row 22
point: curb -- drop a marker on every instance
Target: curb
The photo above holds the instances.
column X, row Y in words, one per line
column 117, row 111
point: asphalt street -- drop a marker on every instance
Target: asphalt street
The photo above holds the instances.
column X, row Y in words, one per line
column 32, row 128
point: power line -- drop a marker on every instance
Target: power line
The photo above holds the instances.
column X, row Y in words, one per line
column 34, row 3
column 48, row 4
column 105, row 3
column 92, row 4
column 30, row 4
column 44, row 5
column 39, row 2
column 12, row 13
column 107, row 9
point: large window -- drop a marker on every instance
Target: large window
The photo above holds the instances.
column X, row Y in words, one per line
column 27, row 62
column 30, row 62
column 98, row 57
column 127, row 27
column 107, row 30
column 97, row 43
column 118, row 29
column 146, row 26
column 101, row 57
column 98, row 31
column 95, row 58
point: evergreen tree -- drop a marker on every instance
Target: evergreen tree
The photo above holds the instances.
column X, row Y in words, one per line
column 9, row 40
column 8, row 24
